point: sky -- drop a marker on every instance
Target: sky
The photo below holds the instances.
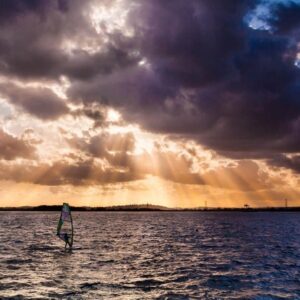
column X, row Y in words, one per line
column 177, row 103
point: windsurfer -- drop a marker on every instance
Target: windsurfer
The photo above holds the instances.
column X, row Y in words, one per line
column 66, row 238
column 65, row 226
column 67, row 241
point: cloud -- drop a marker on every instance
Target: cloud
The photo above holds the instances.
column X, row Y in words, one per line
column 189, row 45
column 18, row 8
column 208, row 76
column 87, row 172
column 101, row 115
column 44, row 40
column 29, row 38
column 12, row 147
column 125, row 167
column 190, row 70
column 285, row 17
column 183, row 164
column 84, row 66
column 283, row 161
column 115, row 148
column 39, row 102
column 175, row 167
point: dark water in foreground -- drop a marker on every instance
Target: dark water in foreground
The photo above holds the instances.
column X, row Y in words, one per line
column 151, row 255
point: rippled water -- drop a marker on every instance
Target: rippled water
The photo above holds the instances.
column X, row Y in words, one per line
column 151, row 255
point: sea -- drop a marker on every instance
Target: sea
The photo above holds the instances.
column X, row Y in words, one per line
column 151, row 255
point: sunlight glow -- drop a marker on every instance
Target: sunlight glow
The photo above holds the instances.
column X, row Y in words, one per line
column 107, row 18
column 113, row 116
column 164, row 170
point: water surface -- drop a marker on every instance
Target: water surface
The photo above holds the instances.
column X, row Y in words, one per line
column 151, row 255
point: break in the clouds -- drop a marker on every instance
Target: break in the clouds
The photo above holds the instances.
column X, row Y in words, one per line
column 95, row 79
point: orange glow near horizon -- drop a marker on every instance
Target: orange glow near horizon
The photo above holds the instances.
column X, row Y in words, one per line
column 152, row 190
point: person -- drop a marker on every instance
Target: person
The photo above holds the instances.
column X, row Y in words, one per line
column 67, row 241
column 65, row 237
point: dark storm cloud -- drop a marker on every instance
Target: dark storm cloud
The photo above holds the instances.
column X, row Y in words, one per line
column 33, row 37
column 39, row 102
column 190, row 44
column 12, row 147
column 283, row 161
column 30, row 33
column 187, row 45
column 257, row 98
column 14, row 8
column 84, row 66
column 285, row 17
column 209, row 77
column 203, row 73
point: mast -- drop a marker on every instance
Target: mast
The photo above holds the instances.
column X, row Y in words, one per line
column 71, row 227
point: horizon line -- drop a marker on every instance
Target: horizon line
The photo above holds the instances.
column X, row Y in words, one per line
column 147, row 206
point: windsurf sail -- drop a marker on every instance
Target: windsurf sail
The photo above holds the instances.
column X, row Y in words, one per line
column 65, row 225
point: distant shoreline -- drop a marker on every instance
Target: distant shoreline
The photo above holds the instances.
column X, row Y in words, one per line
column 150, row 207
